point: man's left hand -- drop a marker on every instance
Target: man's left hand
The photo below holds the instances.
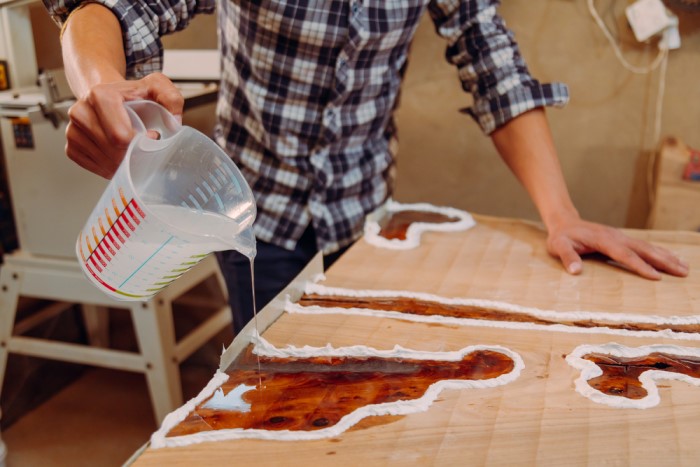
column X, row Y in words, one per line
column 570, row 240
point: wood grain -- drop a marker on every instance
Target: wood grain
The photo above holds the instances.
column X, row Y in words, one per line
column 539, row 419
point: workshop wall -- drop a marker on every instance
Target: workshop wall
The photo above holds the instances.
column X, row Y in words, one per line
column 604, row 136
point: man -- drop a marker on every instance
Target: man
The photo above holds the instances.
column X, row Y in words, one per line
column 305, row 109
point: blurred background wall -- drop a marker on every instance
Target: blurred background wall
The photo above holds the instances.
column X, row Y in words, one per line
column 604, row 136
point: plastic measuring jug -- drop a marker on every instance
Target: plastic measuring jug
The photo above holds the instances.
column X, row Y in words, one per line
column 171, row 202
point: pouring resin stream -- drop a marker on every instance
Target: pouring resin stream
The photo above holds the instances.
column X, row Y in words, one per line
column 219, row 228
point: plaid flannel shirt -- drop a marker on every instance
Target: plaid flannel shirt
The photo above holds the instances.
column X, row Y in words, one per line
column 308, row 89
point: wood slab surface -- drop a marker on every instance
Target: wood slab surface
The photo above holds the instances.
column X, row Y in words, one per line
column 539, row 419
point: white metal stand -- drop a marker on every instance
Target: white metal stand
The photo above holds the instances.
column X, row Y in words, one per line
column 63, row 281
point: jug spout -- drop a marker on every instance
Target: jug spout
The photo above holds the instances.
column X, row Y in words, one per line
column 246, row 243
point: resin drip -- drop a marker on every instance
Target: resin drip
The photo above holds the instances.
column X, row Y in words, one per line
column 399, row 222
column 255, row 312
column 305, row 394
column 621, row 374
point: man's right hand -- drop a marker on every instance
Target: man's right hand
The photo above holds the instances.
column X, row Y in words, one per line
column 99, row 130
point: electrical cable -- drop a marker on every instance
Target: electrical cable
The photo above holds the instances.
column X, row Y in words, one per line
column 660, row 60
column 660, row 97
column 618, row 53
column 657, row 128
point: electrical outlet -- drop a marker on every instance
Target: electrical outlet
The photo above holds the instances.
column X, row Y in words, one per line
column 647, row 18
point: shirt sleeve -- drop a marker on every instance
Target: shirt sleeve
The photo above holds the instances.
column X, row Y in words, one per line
column 489, row 62
column 143, row 22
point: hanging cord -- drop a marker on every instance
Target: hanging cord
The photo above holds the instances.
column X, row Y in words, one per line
column 661, row 59
column 618, row 53
column 657, row 129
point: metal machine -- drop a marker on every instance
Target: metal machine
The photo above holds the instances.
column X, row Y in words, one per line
column 51, row 195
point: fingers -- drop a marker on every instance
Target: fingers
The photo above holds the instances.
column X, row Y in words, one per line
column 642, row 257
column 107, row 104
column 618, row 247
column 635, row 255
column 629, row 259
column 100, row 131
column 163, row 91
column 564, row 250
column 89, row 146
column 660, row 258
column 84, row 160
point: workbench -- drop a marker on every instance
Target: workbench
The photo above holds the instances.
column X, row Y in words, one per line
column 538, row 419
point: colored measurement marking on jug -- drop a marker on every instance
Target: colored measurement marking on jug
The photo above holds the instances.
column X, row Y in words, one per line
column 114, row 235
column 116, row 251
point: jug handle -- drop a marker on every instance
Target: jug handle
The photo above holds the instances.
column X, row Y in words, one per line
column 148, row 115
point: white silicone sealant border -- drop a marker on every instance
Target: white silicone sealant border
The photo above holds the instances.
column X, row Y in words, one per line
column 262, row 347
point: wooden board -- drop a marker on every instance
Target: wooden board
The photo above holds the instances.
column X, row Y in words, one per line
column 539, row 419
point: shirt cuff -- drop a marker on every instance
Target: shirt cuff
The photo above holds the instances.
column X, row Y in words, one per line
column 493, row 112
